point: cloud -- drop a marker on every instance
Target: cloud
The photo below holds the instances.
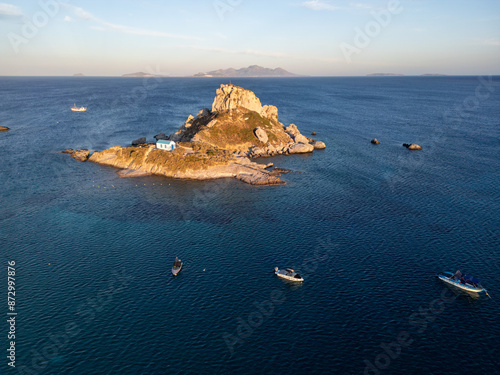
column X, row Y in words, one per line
column 122, row 29
column 68, row 19
column 325, row 5
column 318, row 5
column 361, row 6
column 492, row 42
column 10, row 10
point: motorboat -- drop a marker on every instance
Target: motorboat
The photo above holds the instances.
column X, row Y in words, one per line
column 78, row 109
column 176, row 268
column 288, row 273
column 464, row 282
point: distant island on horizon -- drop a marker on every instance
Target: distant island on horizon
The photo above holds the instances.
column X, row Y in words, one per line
column 251, row 71
column 142, row 74
column 404, row 75
column 384, row 75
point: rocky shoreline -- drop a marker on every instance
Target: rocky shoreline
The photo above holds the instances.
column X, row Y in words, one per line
column 184, row 163
column 217, row 143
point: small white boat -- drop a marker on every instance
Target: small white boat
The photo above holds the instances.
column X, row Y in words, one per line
column 176, row 268
column 289, row 274
column 76, row 109
column 464, row 282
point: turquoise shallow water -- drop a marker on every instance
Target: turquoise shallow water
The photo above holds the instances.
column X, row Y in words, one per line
column 367, row 226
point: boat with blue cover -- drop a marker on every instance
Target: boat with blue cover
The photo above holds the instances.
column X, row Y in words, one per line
column 464, row 282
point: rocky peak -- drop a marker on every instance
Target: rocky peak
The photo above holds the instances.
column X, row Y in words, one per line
column 239, row 123
column 230, row 97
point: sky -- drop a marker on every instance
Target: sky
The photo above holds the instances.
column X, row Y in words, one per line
column 307, row 37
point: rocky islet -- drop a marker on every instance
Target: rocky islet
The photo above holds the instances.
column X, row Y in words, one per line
column 217, row 143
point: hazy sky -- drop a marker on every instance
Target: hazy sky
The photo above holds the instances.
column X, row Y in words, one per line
column 311, row 37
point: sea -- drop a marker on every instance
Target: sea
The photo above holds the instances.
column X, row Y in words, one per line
column 367, row 226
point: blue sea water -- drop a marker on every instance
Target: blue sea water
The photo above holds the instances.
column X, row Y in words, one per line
column 368, row 227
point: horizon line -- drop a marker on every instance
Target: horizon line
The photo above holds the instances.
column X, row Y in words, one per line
column 372, row 75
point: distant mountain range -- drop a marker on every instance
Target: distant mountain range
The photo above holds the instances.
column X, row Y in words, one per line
column 142, row 74
column 251, row 71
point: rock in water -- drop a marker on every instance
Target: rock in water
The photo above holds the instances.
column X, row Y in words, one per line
column 318, row 145
column 261, row 134
column 80, row 155
column 375, row 141
column 295, row 134
column 300, row 148
column 139, row 141
column 3, row 128
column 412, row 146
